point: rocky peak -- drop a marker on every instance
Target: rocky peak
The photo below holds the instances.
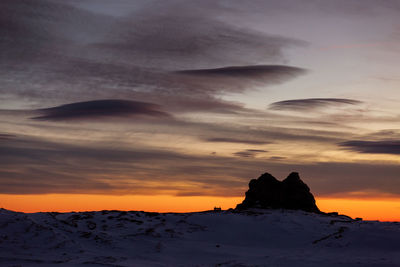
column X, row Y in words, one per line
column 268, row 192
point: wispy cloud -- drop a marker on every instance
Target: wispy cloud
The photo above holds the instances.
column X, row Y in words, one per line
column 79, row 55
column 155, row 35
column 277, row 158
column 100, row 109
column 249, row 153
column 268, row 72
column 54, row 167
column 373, row 147
column 6, row 136
column 309, row 104
column 234, row 140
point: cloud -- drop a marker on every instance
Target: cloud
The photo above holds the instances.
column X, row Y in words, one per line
column 100, row 109
column 36, row 166
column 238, row 79
column 373, row 147
column 77, row 54
column 389, row 134
column 6, row 136
column 268, row 72
column 312, row 103
column 36, row 32
column 191, row 38
column 249, row 153
column 342, row 179
column 184, row 56
column 234, row 140
column 264, row 134
column 277, row 158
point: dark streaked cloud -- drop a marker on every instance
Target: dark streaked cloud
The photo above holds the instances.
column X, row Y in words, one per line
column 277, row 158
column 77, row 55
column 32, row 165
column 234, row 140
column 6, row 136
column 191, row 38
column 212, row 132
column 373, row 147
column 35, row 166
column 388, row 134
column 257, row 150
column 312, row 103
column 266, row 135
column 37, row 31
column 344, row 179
column 271, row 72
column 100, row 109
column 249, row 153
column 244, row 154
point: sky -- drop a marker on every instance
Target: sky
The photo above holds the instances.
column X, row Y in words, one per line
column 175, row 105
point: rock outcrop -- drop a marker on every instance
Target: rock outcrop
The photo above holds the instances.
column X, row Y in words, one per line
column 267, row 192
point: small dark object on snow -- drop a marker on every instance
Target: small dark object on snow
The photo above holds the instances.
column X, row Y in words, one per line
column 267, row 192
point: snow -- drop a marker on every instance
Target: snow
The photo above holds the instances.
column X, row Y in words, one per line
column 212, row 238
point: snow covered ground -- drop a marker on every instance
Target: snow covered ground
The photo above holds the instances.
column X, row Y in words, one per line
column 252, row 238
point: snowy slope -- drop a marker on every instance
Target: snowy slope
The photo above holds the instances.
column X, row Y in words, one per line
column 252, row 238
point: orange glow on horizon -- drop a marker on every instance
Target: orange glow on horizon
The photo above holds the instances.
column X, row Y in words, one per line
column 83, row 202
column 368, row 209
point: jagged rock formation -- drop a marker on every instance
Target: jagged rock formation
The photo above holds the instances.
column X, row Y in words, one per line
column 267, row 192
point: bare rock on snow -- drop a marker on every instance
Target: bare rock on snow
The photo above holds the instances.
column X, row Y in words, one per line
column 267, row 192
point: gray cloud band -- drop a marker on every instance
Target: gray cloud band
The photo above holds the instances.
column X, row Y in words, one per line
column 47, row 169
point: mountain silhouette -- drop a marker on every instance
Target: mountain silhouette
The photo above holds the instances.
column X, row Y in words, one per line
column 267, row 192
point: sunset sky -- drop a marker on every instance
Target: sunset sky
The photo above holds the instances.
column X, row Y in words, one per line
column 175, row 105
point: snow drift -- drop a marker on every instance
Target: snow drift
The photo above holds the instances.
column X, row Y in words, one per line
column 253, row 237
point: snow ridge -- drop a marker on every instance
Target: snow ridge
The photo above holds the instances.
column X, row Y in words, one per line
column 254, row 237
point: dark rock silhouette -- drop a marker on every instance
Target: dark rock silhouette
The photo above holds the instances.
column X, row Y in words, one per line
column 267, row 192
